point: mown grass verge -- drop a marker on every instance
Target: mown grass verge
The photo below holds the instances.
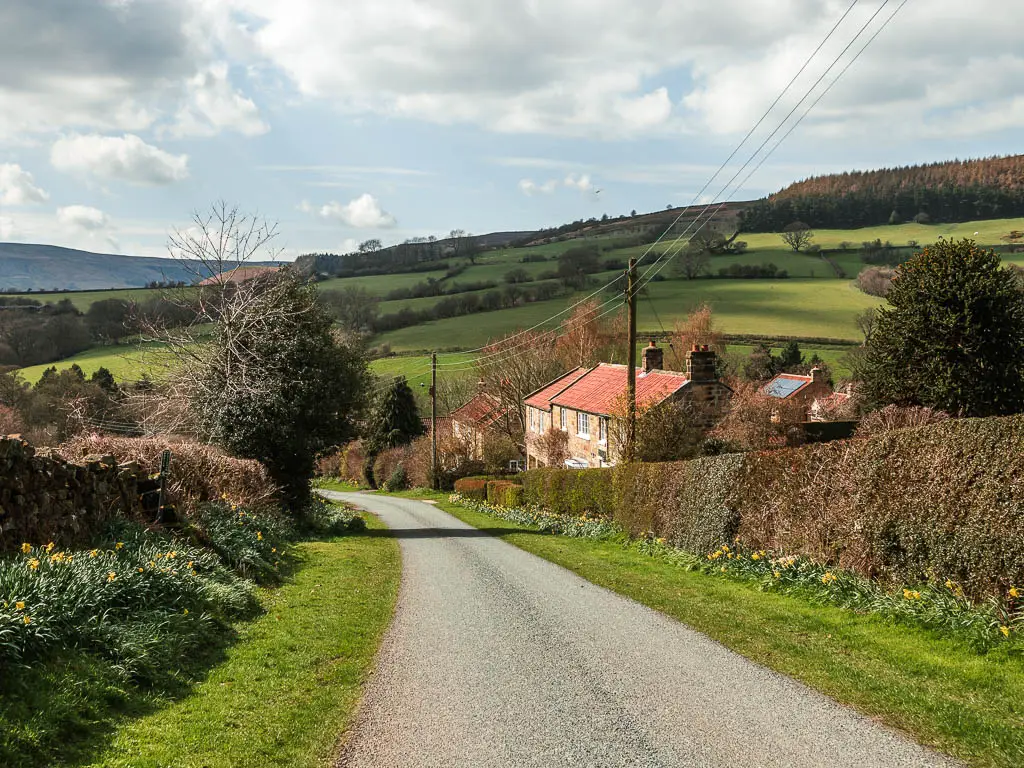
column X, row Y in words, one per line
column 285, row 692
column 939, row 690
column 276, row 686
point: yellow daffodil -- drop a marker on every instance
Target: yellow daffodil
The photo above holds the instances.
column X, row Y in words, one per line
column 33, row 563
column 949, row 584
column 49, row 548
column 907, row 594
column 755, row 556
column 273, row 549
column 189, row 563
column 119, row 545
column 776, row 574
column 723, row 569
column 1014, row 592
column 1005, row 630
column 27, row 620
column 185, row 612
column 142, row 570
column 93, row 553
column 26, row 548
column 259, row 536
column 20, row 605
column 111, row 576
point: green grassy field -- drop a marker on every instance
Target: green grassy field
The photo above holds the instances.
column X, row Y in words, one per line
column 128, row 362
column 808, row 308
column 989, row 234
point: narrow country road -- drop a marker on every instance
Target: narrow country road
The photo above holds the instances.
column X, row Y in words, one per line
column 497, row 658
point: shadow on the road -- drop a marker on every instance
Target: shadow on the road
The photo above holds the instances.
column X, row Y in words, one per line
column 440, row 533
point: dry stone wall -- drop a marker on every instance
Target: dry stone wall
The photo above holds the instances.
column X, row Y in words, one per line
column 45, row 498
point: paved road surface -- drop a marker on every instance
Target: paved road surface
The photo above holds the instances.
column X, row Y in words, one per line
column 497, row 658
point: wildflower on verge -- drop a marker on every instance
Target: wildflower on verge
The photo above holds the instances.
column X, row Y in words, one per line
column 26, row 548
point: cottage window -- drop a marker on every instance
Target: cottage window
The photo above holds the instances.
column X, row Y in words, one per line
column 583, row 425
column 533, row 419
column 564, row 419
column 602, row 430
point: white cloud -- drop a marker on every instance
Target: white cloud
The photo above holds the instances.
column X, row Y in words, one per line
column 581, row 182
column 529, row 187
column 126, row 158
column 559, row 67
column 8, row 229
column 83, row 217
column 214, row 105
column 17, row 186
column 362, row 213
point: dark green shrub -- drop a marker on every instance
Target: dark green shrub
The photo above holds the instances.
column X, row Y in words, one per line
column 502, row 493
column 472, row 488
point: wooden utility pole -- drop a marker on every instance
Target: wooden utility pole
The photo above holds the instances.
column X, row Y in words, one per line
column 631, row 361
column 433, row 422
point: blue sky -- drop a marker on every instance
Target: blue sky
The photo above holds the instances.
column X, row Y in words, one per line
column 401, row 118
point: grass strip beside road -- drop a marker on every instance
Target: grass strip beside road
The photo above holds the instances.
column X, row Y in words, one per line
column 936, row 689
column 288, row 688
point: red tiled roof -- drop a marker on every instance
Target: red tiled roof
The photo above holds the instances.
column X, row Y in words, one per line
column 238, row 275
column 542, row 397
column 482, row 411
column 599, row 389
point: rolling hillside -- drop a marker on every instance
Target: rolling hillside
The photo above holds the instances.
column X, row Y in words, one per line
column 52, row 268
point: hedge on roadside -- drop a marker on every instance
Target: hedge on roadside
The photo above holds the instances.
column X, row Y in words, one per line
column 504, row 493
column 472, row 488
column 944, row 501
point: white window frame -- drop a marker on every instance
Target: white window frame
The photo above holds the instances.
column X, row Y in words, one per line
column 563, row 419
column 533, row 419
column 583, row 425
column 602, row 430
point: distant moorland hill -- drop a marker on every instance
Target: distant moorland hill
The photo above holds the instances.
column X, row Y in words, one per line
column 52, row 268
column 954, row 191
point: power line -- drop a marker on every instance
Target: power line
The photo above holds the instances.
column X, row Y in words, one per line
column 703, row 189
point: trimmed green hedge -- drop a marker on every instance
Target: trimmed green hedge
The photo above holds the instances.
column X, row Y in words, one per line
column 925, row 504
column 502, row 493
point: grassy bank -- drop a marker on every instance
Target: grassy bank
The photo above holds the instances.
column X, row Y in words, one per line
column 935, row 688
column 285, row 692
column 274, row 687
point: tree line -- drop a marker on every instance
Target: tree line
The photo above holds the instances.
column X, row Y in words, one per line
column 966, row 190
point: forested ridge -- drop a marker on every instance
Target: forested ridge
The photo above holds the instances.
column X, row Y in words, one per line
column 957, row 190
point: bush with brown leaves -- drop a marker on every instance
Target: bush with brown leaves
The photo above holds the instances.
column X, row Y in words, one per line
column 198, row 473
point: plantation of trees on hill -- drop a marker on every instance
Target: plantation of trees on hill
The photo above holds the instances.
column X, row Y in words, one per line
column 959, row 190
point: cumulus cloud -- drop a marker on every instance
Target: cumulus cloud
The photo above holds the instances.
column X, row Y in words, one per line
column 17, row 186
column 546, row 67
column 83, row 217
column 581, row 182
column 8, row 230
column 125, row 158
column 214, row 105
column 364, row 212
column 529, row 187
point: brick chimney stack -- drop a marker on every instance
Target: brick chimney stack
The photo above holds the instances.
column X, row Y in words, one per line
column 700, row 364
column 654, row 358
column 817, row 375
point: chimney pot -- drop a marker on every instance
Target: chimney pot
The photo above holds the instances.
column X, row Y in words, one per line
column 696, row 348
